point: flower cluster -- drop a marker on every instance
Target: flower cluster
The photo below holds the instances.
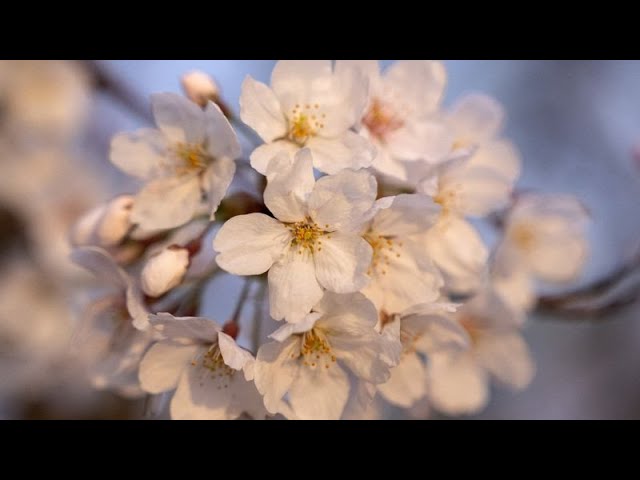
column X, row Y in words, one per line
column 356, row 214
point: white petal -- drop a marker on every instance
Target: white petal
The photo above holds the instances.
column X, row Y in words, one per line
column 233, row 355
column 349, row 324
column 167, row 203
column 185, row 330
column 349, row 150
column 216, row 181
column 507, row 358
column 275, row 371
column 203, row 395
column 220, row 140
column 408, row 382
column 290, row 180
column 419, row 83
column 429, row 141
column 288, row 329
column 457, row 385
column 261, row 157
column 319, row 393
column 459, row 252
column 476, row 118
column 408, row 214
column 101, row 264
column 293, row 287
column 178, row 118
column 140, row 153
column 341, row 262
column 342, row 201
column 163, row 364
column 260, row 109
column 403, row 277
column 370, row 68
column 296, row 81
column 435, row 329
column 484, row 182
column 249, row 244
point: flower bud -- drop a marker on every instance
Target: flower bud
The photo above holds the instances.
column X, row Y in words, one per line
column 164, row 271
column 115, row 222
column 200, row 87
column 82, row 232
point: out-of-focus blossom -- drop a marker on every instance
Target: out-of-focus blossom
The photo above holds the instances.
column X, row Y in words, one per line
column 164, row 270
column 200, row 88
column 190, row 156
column 105, row 225
column 309, row 105
column 401, row 119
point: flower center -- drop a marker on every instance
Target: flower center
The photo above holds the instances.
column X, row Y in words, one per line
column 214, row 362
column 315, row 350
column 523, row 236
column 304, row 122
column 190, row 158
column 384, row 250
column 469, row 324
column 381, row 120
column 449, row 198
column 306, row 236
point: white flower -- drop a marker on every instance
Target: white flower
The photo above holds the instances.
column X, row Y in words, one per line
column 310, row 363
column 400, row 116
column 402, row 274
column 545, row 235
column 308, row 105
column 468, row 186
column 199, row 87
column 114, row 333
column 164, row 270
column 423, row 330
column 313, row 242
column 476, row 120
column 458, row 380
column 189, row 155
column 211, row 374
column 104, row 226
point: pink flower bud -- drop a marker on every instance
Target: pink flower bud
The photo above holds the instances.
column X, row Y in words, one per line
column 164, row 271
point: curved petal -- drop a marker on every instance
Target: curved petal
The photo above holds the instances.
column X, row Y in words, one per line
column 341, row 262
column 140, row 154
column 293, row 287
column 185, row 330
column 233, row 355
column 459, row 252
column 457, row 385
column 101, row 264
column 342, row 201
column 408, row 382
column 296, row 81
column 319, row 393
column 426, row 140
column 219, row 138
column 260, row 109
column 507, row 358
column 476, row 118
column 349, row 150
column 407, row 215
column 418, row 83
column 275, row 370
column 178, row 118
column 262, row 156
column 249, row 244
column 163, row 364
column 216, row 181
column 290, row 180
column 167, row 203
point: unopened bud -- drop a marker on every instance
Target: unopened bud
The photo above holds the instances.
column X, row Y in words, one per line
column 164, row 271
column 104, row 226
column 115, row 222
column 200, row 87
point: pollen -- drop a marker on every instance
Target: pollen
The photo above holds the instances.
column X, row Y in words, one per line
column 315, row 350
column 305, row 235
column 190, row 157
column 449, row 198
column 381, row 119
column 304, row 123
column 384, row 252
column 523, row 236
column 214, row 362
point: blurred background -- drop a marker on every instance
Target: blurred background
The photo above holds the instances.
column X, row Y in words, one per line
column 576, row 123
